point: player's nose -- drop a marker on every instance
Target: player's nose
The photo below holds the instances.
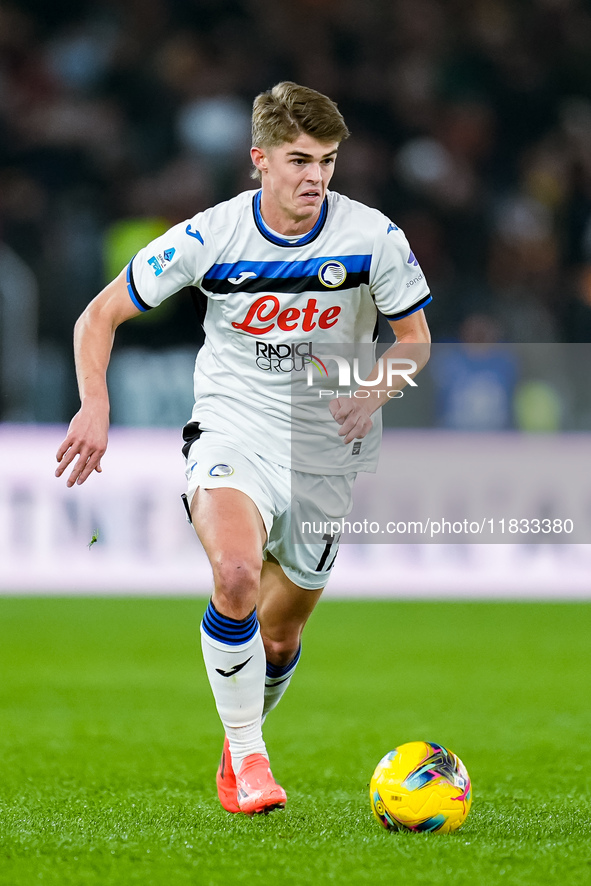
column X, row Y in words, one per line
column 313, row 173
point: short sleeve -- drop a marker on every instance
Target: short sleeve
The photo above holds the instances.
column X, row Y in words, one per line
column 178, row 258
column 396, row 281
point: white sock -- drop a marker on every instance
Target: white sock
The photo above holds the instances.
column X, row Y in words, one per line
column 277, row 679
column 235, row 662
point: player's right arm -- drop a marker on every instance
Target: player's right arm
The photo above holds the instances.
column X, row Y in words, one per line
column 86, row 440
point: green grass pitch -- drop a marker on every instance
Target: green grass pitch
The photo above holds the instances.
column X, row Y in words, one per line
column 109, row 743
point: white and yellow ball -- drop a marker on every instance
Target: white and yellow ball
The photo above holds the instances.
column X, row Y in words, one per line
column 421, row 786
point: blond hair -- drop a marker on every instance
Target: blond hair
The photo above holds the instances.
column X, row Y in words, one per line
column 287, row 110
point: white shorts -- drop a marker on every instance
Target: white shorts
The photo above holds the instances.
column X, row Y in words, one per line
column 287, row 500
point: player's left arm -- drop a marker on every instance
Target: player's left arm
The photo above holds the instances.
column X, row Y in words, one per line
column 412, row 349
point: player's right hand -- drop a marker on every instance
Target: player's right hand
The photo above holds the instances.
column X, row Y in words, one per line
column 352, row 416
column 87, row 440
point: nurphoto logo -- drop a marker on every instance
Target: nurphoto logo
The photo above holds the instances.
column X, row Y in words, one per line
column 349, row 373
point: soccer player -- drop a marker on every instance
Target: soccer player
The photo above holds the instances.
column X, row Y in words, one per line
column 282, row 268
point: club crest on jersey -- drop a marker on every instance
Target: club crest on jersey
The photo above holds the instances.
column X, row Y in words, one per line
column 160, row 262
column 332, row 274
column 221, row 471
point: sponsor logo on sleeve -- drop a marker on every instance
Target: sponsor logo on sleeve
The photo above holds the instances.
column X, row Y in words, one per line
column 160, row 262
column 156, row 266
column 194, row 233
column 392, row 227
column 412, row 260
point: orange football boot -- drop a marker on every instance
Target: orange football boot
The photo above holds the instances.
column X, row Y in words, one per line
column 226, row 781
column 257, row 789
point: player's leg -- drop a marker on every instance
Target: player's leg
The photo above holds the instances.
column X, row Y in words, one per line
column 295, row 572
column 232, row 533
column 283, row 609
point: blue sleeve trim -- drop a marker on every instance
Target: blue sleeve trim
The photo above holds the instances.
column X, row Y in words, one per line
column 408, row 311
column 133, row 293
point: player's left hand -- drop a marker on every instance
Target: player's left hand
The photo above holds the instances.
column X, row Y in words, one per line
column 352, row 416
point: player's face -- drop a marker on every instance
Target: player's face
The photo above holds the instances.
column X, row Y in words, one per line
column 295, row 177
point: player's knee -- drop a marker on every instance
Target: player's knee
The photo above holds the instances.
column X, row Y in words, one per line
column 236, row 582
column 281, row 651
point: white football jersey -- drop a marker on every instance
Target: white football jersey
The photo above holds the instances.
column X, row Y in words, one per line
column 274, row 305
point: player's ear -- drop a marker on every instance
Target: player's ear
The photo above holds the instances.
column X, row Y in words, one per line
column 259, row 158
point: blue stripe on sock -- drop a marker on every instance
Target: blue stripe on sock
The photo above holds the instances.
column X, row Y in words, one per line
column 274, row 671
column 229, row 630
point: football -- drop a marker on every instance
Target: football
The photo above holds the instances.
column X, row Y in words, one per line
column 421, row 786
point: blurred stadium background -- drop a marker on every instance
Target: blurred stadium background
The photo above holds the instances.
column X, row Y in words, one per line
column 471, row 126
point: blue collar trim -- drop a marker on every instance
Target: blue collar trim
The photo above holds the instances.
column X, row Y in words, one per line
column 279, row 241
